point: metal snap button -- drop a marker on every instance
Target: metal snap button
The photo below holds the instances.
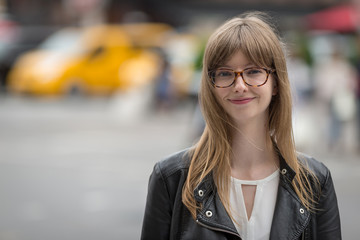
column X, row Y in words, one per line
column 284, row 171
column 208, row 213
column 201, row 193
column 302, row 210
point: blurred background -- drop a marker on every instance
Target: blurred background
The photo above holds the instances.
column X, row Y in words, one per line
column 94, row 92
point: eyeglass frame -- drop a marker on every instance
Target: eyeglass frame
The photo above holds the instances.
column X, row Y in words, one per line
column 240, row 73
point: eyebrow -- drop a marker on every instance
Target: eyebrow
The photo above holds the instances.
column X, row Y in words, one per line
column 245, row 66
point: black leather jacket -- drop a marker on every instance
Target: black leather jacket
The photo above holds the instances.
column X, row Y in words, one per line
column 166, row 217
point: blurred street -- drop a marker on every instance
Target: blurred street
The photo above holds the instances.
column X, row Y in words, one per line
column 78, row 169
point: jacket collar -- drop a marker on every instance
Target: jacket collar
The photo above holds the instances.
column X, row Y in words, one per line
column 288, row 208
column 289, row 211
column 212, row 214
column 286, row 171
column 204, row 189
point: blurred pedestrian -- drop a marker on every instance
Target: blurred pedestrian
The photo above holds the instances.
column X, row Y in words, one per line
column 164, row 95
column 302, row 88
column 300, row 74
column 335, row 80
column 358, row 110
column 244, row 178
column 358, row 93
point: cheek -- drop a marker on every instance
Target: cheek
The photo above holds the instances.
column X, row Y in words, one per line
column 267, row 93
column 220, row 94
column 271, row 89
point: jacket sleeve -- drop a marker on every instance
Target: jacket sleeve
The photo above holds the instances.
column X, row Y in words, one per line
column 328, row 218
column 158, row 210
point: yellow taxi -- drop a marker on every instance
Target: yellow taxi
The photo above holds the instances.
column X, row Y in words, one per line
column 93, row 60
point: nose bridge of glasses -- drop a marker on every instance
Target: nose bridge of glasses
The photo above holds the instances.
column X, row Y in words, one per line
column 239, row 74
column 242, row 80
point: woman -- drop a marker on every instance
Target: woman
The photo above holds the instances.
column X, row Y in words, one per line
column 244, row 178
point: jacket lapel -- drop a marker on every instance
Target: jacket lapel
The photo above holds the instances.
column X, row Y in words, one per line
column 290, row 216
column 213, row 214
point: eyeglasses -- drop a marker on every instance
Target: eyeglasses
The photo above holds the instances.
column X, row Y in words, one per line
column 226, row 77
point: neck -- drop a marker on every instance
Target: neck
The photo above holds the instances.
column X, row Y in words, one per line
column 254, row 156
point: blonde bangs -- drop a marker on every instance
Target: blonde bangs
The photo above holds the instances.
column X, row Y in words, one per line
column 245, row 36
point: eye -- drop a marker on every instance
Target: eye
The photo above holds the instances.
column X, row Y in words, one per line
column 223, row 73
column 254, row 71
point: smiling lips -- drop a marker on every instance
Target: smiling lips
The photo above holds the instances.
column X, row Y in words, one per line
column 241, row 100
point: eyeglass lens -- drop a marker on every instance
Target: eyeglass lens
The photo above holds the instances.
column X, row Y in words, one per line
column 252, row 76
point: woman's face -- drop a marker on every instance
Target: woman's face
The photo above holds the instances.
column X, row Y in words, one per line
column 246, row 104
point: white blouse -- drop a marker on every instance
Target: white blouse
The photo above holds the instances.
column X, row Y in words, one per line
column 259, row 225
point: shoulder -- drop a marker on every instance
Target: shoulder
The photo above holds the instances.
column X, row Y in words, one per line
column 176, row 162
column 319, row 169
column 169, row 175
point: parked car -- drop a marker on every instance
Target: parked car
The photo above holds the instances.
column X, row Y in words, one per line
column 21, row 39
column 94, row 60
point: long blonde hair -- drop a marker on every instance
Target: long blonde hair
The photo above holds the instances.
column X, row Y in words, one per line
column 259, row 42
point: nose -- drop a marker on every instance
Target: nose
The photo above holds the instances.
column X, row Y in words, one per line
column 239, row 84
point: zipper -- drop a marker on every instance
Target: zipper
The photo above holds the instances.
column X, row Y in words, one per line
column 217, row 229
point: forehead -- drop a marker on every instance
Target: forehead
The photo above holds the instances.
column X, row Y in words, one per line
column 238, row 60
